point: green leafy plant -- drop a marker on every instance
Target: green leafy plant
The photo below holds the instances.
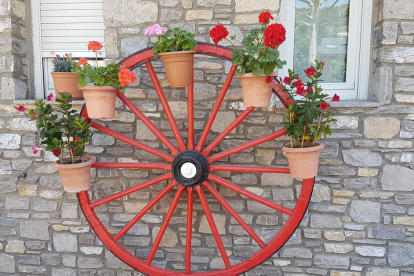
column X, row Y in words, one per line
column 110, row 75
column 308, row 117
column 172, row 40
column 260, row 54
column 62, row 64
column 62, row 130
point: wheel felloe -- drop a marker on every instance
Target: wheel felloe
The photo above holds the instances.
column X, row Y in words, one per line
column 190, row 168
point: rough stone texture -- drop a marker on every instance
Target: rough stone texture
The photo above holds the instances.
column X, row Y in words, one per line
column 7, row 264
column 365, row 211
column 400, row 254
column 374, row 128
column 381, row 89
column 361, row 158
column 397, row 178
column 136, row 12
column 35, row 230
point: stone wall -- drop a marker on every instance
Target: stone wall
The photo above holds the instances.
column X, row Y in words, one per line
column 361, row 217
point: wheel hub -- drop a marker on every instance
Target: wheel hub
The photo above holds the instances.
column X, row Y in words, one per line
column 190, row 168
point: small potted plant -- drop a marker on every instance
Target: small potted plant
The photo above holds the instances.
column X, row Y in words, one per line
column 65, row 134
column 63, row 77
column 176, row 49
column 258, row 60
column 100, row 84
column 308, row 118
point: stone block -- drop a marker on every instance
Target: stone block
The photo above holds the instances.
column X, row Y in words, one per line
column 404, row 98
column 23, row 124
column 325, row 221
column 340, row 248
column 296, row 252
column 404, row 85
column 223, row 120
column 382, row 85
column 386, row 233
column 199, row 15
column 63, row 272
column 12, row 89
column 283, row 194
column 392, row 9
column 7, row 264
column 133, row 13
column 249, row 6
column 132, row 44
column 277, row 179
column 374, row 127
column 389, row 32
column 408, row 221
column 44, row 205
column 15, row 246
column 170, row 14
column 28, row 260
column 370, row 251
column 400, row 254
column 220, row 221
column 65, row 242
column 321, row 193
column 169, row 239
column 90, row 262
column 383, row 272
column 395, row 55
column 51, row 258
column 69, row 210
column 111, row 43
column 365, row 211
column 34, row 230
column 10, row 141
column 17, row 203
column 397, row 178
column 331, row 261
column 102, row 139
column 113, row 262
column 361, row 158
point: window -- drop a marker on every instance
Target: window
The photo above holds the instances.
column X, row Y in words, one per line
column 63, row 27
column 336, row 32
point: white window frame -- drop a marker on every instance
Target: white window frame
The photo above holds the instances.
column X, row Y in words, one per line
column 358, row 56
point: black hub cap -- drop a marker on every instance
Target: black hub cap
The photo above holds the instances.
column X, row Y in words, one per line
column 190, row 168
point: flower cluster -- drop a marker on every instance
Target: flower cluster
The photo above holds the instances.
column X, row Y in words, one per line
column 171, row 41
column 59, row 132
column 261, row 54
column 110, row 75
column 62, row 63
column 309, row 116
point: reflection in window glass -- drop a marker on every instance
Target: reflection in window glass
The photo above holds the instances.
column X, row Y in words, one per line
column 321, row 33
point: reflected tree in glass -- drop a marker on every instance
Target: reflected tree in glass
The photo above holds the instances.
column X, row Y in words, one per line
column 321, row 33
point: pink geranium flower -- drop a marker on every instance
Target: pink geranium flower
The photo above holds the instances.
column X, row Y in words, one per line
column 21, row 108
column 155, row 30
column 51, row 97
column 36, row 149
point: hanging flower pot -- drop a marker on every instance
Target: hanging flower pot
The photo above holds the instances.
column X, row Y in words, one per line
column 100, row 101
column 75, row 177
column 178, row 67
column 67, row 82
column 303, row 162
column 257, row 92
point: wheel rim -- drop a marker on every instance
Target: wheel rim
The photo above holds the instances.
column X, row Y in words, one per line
column 191, row 167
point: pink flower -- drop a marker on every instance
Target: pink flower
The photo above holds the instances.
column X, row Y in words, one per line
column 51, row 97
column 36, row 149
column 155, row 30
column 21, row 108
column 270, row 79
column 335, row 98
column 310, row 72
column 323, row 105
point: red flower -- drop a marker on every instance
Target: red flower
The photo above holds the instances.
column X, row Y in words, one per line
column 300, row 91
column 265, row 17
column 323, row 105
column 57, row 152
column 335, row 98
column 51, row 97
column 274, row 35
column 94, row 46
column 270, row 79
column 21, row 108
column 298, row 83
column 310, row 72
column 310, row 89
column 287, row 80
column 218, row 33
column 82, row 61
column 126, row 77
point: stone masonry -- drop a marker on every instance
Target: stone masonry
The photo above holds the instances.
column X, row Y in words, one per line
column 360, row 221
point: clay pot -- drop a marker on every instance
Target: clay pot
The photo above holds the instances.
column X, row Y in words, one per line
column 67, row 82
column 75, row 177
column 100, row 101
column 257, row 92
column 178, row 67
column 303, row 162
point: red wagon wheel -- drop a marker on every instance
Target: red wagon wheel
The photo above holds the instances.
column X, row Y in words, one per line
column 193, row 168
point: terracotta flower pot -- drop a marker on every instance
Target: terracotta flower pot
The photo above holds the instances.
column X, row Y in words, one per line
column 75, row 177
column 100, row 101
column 303, row 162
column 178, row 67
column 67, row 82
column 257, row 92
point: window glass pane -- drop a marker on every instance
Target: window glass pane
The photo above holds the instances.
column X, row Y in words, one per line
column 321, row 33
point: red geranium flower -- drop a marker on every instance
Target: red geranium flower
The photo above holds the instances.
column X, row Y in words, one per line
column 298, row 83
column 270, row 79
column 57, row 152
column 126, row 77
column 218, row 33
column 265, row 17
column 335, row 98
column 82, row 61
column 300, row 90
column 310, row 72
column 94, row 46
column 274, row 35
column 310, row 89
column 323, row 105
column 287, row 80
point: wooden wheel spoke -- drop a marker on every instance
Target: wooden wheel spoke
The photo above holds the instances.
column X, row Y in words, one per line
column 164, row 225
column 189, row 230
column 190, row 120
column 213, row 226
column 130, row 190
column 160, row 166
column 132, row 142
column 148, row 123
column 223, row 135
column 250, row 195
column 151, row 204
column 216, row 108
column 248, row 169
column 247, row 145
column 165, row 105
column 236, row 216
